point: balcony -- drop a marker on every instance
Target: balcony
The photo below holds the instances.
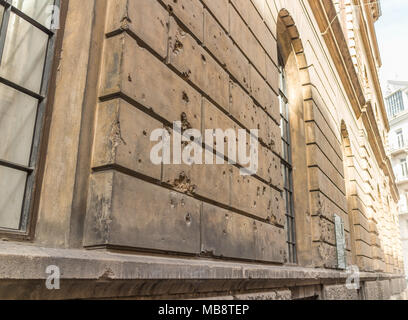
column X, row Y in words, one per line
column 401, row 179
column 396, row 149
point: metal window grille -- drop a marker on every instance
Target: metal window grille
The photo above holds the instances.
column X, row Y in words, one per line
column 286, row 165
column 25, row 26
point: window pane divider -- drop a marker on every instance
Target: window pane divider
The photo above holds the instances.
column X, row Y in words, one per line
column 16, row 166
column 35, row 23
column 9, row 7
column 21, row 89
column 4, row 26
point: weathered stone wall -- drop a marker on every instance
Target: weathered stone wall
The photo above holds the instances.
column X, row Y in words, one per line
column 184, row 61
column 209, row 64
column 214, row 65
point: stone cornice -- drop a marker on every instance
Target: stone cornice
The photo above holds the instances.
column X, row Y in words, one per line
column 325, row 12
column 374, row 137
column 371, row 48
column 332, row 32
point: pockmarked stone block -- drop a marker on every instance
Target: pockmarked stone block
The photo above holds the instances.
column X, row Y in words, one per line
column 254, row 197
column 241, row 6
column 321, row 205
column 124, row 211
column 145, row 18
column 272, row 74
column 270, row 168
column 219, row 9
column 189, row 179
column 228, row 234
column 246, row 41
column 323, row 230
column 261, row 32
column 324, row 255
column 197, row 66
column 133, row 71
column 222, row 47
column 243, row 109
column 264, row 95
column 190, row 12
column 122, row 137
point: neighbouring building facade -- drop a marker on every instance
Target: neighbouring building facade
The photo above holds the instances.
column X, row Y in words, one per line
column 397, row 104
column 81, row 198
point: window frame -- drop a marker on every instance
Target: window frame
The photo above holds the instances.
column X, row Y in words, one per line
column 32, row 170
column 287, row 166
column 400, row 139
column 404, row 168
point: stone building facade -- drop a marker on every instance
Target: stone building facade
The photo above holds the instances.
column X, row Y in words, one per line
column 302, row 72
column 397, row 108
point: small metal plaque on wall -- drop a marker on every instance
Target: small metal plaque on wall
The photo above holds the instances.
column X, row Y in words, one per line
column 340, row 242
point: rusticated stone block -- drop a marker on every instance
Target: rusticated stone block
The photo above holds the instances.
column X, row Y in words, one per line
column 227, row 234
column 261, row 32
column 219, row 9
column 247, row 42
column 122, row 137
column 214, row 118
column 363, row 249
column 385, row 289
column 324, row 255
column 134, row 72
column 197, row 66
column 274, row 135
column 319, row 181
column 316, row 158
column 323, row 230
column 272, row 74
column 190, row 12
column 264, row 95
column 222, row 47
column 243, row 109
column 339, row 292
column 270, row 168
column 127, row 212
column 365, row 263
column 322, row 205
column 145, row 18
column 254, row 197
column 396, row 286
column 372, row 290
column 189, row 179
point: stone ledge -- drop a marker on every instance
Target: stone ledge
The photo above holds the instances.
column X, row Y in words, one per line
column 87, row 274
column 29, row 262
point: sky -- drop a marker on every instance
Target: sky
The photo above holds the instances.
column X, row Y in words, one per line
column 392, row 33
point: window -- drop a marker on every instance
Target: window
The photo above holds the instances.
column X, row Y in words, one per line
column 400, row 139
column 287, row 171
column 404, row 168
column 26, row 50
column 395, row 104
